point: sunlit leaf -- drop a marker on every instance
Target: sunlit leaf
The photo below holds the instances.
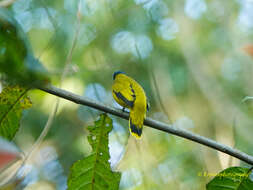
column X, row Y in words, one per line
column 94, row 171
column 236, row 178
column 13, row 101
column 16, row 58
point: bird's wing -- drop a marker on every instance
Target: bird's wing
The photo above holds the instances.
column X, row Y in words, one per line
column 126, row 94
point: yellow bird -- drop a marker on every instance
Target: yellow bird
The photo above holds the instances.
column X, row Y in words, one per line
column 129, row 94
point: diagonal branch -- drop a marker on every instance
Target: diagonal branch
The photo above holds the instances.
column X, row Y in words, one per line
column 151, row 123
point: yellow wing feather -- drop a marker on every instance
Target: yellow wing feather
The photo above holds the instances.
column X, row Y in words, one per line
column 123, row 95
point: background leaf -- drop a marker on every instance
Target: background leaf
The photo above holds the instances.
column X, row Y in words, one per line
column 94, row 172
column 13, row 101
column 16, row 57
column 236, row 178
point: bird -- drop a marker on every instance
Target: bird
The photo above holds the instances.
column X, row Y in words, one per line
column 129, row 94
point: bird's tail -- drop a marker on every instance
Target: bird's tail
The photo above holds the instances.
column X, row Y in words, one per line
column 136, row 124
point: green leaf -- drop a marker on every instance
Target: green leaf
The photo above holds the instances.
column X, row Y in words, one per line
column 13, row 101
column 234, row 178
column 94, row 171
column 16, row 58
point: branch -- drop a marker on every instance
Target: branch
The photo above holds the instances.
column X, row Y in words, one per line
column 151, row 123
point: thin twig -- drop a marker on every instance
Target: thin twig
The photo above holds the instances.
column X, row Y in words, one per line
column 151, row 123
column 57, row 102
column 157, row 92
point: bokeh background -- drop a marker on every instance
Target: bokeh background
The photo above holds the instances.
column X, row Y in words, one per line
column 191, row 57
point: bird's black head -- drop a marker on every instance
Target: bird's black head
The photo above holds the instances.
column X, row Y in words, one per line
column 116, row 73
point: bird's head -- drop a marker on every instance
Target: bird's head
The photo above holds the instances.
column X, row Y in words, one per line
column 116, row 73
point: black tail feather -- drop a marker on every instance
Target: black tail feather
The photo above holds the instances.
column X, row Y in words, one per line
column 135, row 129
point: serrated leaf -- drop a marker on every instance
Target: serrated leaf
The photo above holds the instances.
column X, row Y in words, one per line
column 13, row 101
column 16, row 58
column 94, row 171
column 234, row 178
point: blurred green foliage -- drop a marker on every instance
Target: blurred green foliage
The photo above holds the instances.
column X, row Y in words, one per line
column 187, row 52
column 16, row 58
